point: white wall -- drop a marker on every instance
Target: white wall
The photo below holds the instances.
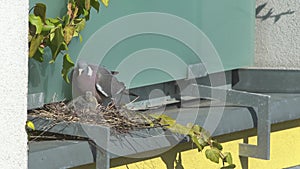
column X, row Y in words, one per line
column 13, row 83
column 278, row 43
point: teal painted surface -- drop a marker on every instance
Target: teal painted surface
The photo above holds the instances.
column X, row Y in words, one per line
column 228, row 24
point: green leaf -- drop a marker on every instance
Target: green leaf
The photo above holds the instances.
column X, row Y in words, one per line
column 95, row 4
column 202, row 142
column 34, row 44
column 64, row 46
column 166, row 120
column 105, row 2
column 231, row 166
column 217, row 145
column 196, row 141
column 228, row 158
column 196, row 128
column 37, row 22
column 67, row 65
column 30, row 125
column 80, row 38
column 76, row 34
column 56, row 42
column 68, row 33
column 52, row 34
column 29, row 37
column 52, row 21
column 190, row 125
column 31, row 30
column 86, row 14
column 40, row 10
column 79, row 4
column 87, row 4
column 66, row 19
column 205, row 135
column 178, row 128
column 39, row 55
column 193, row 128
column 213, row 155
column 80, row 24
column 47, row 27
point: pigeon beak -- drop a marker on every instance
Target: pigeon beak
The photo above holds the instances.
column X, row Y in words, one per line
column 80, row 71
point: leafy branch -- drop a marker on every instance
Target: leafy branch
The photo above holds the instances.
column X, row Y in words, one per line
column 57, row 33
column 201, row 138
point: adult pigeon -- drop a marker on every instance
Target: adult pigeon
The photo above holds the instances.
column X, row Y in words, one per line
column 96, row 79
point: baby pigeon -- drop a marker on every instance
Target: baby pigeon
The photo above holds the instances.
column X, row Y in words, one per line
column 83, row 103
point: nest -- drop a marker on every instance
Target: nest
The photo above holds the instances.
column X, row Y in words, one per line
column 120, row 120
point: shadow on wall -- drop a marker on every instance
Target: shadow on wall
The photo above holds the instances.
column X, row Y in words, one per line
column 270, row 13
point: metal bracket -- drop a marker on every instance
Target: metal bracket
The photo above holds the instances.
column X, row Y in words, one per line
column 102, row 159
column 100, row 136
column 169, row 158
column 255, row 100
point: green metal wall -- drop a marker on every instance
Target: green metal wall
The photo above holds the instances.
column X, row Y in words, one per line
column 227, row 24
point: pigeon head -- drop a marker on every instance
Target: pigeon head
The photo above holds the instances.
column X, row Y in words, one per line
column 84, row 68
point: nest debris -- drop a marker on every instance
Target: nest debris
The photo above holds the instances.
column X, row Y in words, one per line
column 121, row 120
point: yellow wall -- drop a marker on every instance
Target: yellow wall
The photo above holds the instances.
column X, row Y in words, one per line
column 285, row 152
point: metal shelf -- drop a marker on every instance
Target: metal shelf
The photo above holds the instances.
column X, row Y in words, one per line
column 243, row 111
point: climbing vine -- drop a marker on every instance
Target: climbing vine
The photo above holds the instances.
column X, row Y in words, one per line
column 201, row 138
column 57, row 33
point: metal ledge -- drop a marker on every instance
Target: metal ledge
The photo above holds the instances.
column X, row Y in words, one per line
column 246, row 113
column 266, row 80
column 153, row 141
column 59, row 154
column 283, row 107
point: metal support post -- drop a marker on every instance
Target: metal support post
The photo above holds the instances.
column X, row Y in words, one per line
column 255, row 100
